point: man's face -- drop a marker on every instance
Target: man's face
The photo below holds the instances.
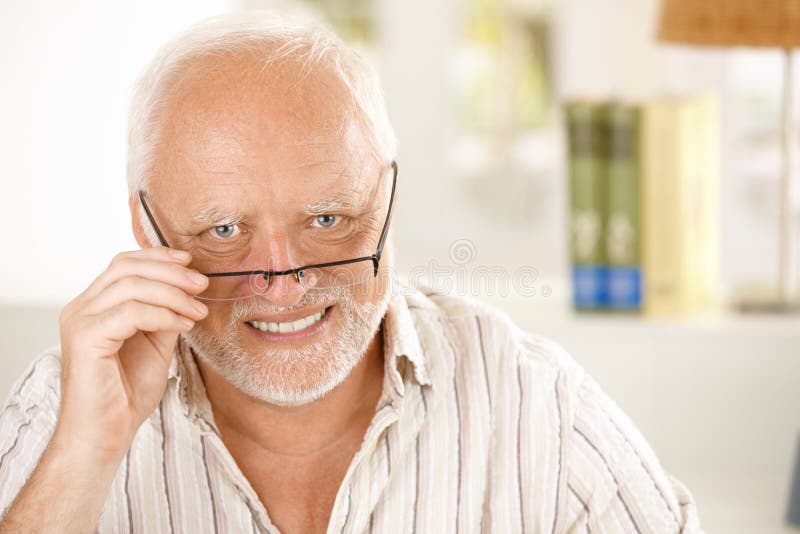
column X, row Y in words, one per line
column 259, row 175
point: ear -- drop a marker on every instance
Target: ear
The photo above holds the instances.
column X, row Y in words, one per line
column 136, row 222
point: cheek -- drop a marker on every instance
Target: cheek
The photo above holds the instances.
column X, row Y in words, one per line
column 218, row 317
column 374, row 291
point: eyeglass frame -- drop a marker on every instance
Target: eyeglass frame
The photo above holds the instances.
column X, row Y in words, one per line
column 297, row 271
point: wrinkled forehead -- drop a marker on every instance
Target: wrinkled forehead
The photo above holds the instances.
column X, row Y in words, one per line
column 238, row 133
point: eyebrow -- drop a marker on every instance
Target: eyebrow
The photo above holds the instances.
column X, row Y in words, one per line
column 346, row 201
column 349, row 200
column 216, row 216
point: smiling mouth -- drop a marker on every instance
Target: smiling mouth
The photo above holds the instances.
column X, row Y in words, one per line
column 290, row 326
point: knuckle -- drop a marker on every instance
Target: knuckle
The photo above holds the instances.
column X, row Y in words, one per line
column 109, row 316
column 128, row 309
column 131, row 285
column 64, row 315
column 98, row 281
column 70, row 313
column 122, row 264
column 124, row 311
column 119, row 257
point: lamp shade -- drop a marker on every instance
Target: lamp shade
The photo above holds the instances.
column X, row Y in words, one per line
column 774, row 23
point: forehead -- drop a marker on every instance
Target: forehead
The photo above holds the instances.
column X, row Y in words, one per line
column 236, row 133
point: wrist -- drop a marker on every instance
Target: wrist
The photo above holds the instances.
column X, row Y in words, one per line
column 82, row 454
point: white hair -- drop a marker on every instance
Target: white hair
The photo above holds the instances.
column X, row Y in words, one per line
column 270, row 38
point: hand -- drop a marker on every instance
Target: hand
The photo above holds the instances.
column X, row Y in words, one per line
column 117, row 341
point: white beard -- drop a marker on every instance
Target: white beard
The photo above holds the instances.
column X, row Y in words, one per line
column 292, row 377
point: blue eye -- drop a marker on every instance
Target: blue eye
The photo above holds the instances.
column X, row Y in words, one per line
column 224, row 231
column 326, row 221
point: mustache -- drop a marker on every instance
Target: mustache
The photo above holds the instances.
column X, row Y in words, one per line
column 245, row 308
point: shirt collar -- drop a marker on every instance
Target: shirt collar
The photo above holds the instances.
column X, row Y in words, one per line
column 189, row 383
column 401, row 340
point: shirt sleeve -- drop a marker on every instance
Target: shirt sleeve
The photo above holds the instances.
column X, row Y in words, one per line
column 614, row 480
column 27, row 422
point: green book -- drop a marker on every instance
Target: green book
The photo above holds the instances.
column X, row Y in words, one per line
column 586, row 125
column 623, row 225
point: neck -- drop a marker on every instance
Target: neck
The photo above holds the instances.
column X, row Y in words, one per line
column 299, row 430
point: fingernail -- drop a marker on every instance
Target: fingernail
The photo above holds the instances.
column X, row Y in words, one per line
column 179, row 254
column 199, row 306
column 196, row 278
column 187, row 323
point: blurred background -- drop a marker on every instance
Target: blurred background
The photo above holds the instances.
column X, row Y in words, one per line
column 507, row 112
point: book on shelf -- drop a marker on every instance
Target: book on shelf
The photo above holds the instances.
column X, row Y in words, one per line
column 680, row 204
column 644, row 210
column 587, row 177
column 623, row 225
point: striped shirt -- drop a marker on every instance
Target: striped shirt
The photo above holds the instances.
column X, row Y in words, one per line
column 481, row 427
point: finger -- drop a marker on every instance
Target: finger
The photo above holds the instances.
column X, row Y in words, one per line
column 121, row 322
column 162, row 342
column 155, row 253
column 165, row 254
column 149, row 292
column 169, row 272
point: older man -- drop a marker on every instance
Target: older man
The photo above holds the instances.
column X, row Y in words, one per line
column 253, row 369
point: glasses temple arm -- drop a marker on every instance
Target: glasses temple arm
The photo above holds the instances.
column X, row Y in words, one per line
column 385, row 231
column 152, row 221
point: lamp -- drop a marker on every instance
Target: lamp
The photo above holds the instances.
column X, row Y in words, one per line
column 762, row 23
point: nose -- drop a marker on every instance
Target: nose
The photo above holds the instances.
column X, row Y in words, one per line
column 283, row 290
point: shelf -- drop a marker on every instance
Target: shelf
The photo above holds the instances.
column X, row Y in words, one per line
column 555, row 311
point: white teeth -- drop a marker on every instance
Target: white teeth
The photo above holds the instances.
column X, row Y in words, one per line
column 292, row 326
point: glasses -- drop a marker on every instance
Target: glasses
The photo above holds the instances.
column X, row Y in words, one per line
column 351, row 241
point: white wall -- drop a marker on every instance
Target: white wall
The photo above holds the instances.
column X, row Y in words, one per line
column 67, row 69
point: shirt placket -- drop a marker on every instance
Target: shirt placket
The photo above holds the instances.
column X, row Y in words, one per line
column 394, row 409
column 220, row 458
column 385, row 416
